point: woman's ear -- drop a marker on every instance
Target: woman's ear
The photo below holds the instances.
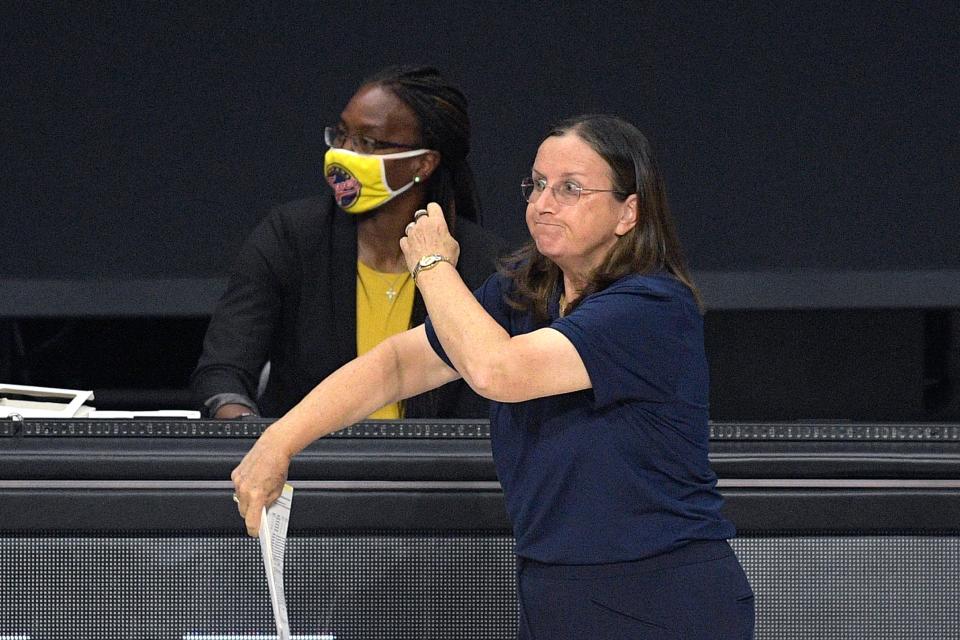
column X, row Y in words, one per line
column 629, row 214
column 428, row 164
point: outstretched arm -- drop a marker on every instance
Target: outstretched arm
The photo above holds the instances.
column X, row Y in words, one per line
column 399, row 367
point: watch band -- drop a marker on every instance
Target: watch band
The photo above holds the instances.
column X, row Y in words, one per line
column 427, row 262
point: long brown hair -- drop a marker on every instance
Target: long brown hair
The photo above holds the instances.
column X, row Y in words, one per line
column 651, row 245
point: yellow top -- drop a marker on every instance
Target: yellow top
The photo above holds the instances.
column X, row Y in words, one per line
column 384, row 307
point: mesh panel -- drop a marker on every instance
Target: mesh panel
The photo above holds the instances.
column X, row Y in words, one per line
column 876, row 588
column 437, row 586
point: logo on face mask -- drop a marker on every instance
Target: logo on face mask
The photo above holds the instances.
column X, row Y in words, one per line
column 359, row 180
column 346, row 188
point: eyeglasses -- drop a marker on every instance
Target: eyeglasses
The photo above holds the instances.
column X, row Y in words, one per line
column 567, row 192
column 336, row 137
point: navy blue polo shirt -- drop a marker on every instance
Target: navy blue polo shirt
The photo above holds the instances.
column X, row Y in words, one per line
column 617, row 472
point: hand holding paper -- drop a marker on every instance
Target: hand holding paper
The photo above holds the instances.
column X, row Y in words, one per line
column 259, row 480
column 273, row 543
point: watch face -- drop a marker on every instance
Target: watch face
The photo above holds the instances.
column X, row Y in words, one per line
column 426, row 261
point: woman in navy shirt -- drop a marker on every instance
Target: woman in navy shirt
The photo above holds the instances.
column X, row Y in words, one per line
column 590, row 346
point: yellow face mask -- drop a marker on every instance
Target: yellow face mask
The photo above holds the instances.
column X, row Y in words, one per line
column 359, row 180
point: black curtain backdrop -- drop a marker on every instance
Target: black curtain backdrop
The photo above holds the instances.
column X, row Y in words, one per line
column 811, row 153
column 144, row 140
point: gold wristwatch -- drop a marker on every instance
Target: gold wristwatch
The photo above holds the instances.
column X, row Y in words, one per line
column 428, row 261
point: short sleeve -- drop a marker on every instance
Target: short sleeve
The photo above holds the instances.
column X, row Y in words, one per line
column 628, row 337
column 435, row 341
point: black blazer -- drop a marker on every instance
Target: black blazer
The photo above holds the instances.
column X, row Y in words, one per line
column 291, row 299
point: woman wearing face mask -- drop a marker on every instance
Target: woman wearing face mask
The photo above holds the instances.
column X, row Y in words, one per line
column 590, row 347
column 323, row 280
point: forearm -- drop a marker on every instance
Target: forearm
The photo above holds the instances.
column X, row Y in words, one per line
column 397, row 368
column 479, row 348
column 208, row 382
column 475, row 343
column 402, row 366
column 348, row 395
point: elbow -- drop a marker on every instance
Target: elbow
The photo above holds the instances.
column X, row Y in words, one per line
column 483, row 385
column 490, row 381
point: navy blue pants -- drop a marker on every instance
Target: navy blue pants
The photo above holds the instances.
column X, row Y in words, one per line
column 697, row 592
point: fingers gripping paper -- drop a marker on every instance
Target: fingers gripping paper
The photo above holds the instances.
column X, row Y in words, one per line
column 273, row 542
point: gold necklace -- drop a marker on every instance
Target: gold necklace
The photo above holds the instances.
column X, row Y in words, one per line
column 392, row 290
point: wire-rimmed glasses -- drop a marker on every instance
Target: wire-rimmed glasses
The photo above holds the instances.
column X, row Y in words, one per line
column 566, row 193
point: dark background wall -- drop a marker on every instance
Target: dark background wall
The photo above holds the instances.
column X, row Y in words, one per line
column 142, row 142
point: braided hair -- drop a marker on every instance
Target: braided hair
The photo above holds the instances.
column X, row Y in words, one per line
column 441, row 110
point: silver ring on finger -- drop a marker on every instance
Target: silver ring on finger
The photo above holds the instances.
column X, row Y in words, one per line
column 419, row 213
column 409, row 228
column 236, row 499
